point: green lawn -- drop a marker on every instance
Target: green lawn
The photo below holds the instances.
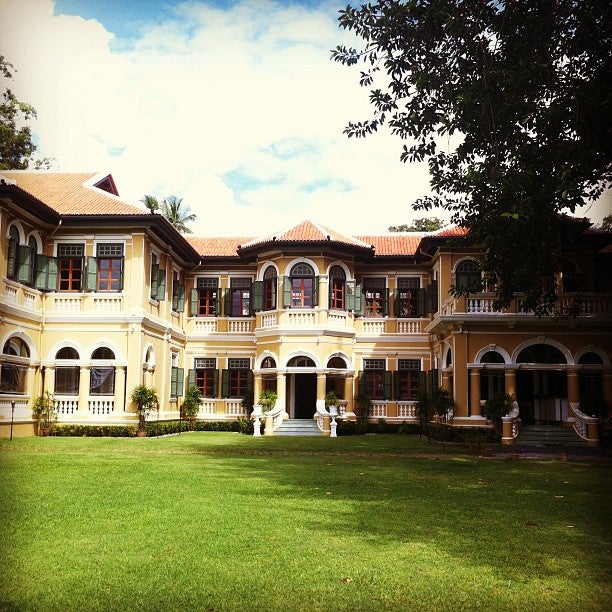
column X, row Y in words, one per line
column 216, row 521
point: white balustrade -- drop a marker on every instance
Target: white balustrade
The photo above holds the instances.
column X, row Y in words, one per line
column 234, row 408
column 373, row 327
column 29, row 299
column 207, row 407
column 481, row 305
column 301, row 318
column 269, row 320
column 66, row 406
column 338, row 320
column 205, row 326
column 11, row 294
column 409, row 326
column 378, row 410
column 67, row 302
column 101, row 406
column 108, row 303
column 240, row 326
column 406, row 411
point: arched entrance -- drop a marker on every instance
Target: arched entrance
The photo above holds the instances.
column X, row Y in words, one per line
column 541, row 385
column 302, row 387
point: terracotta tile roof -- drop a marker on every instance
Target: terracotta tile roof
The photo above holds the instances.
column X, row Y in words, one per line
column 217, row 246
column 72, row 193
column 399, row 243
column 307, row 231
column 451, row 230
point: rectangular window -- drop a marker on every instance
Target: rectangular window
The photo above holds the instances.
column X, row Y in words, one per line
column 205, row 376
column 408, row 379
column 70, row 266
column 375, row 297
column 407, row 297
column 109, row 262
column 102, row 381
column 67, row 380
column 238, row 300
column 374, row 380
column 206, row 298
column 12, row 377
column 238, row 378
column 337, row 294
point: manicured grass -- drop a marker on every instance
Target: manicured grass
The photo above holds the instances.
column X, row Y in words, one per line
column 216, row 521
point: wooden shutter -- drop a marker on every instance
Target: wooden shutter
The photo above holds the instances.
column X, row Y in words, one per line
column 227, row 303
column 432, row 297
column 225, row 383
column 216, row 383
column 360, row 382
column 396, row 302
column 218, row 302
column 257, row 296
column 180, row 382
column 349, row 292
column 388, row 384
column 250, row 381
column 178, row 299
column 359, row 301
column 25, row 273
column 92, row 274
column 397, row 377
column 11, row 264
column 193, row 302
column 154, row 280
column 287, row 292
column 46, row 273
column 386, row 307
column 421, row 303
column 315, row 292
column 161, row 285
column 191, row 378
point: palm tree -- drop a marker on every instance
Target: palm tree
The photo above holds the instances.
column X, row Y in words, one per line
column 171, row 210
column 150, row 201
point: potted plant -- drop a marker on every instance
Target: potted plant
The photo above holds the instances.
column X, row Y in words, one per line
column 267, row 399
column 191, row 405
column 146, row 401
column 495, row 408
column 43, row 409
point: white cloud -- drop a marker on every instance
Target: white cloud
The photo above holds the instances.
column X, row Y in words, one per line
column 240, row 112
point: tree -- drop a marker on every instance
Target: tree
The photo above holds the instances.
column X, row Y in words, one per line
column 171, row 210
column 150, row 201
column 16, row 146
column 509, row 103
column 425, row 224
column 607, row 223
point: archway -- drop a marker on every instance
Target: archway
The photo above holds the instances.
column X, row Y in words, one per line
column 302, row 390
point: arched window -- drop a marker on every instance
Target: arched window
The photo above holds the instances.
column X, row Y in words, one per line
column 590, row 358
column 468, row 277
column 268, row 363
column 102, row 378
column 492, row 357
column 269, row 288
column 301, row 290
column 337, row 288
column 14, row 366
column 337, row 363
column 541, row 353
column 13, row 249
column 67, row 376
column 301, row 362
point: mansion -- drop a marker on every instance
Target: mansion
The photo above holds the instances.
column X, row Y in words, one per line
column 98, row 296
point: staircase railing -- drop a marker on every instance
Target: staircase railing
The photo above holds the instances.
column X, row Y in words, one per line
column 323, row 419
column 587, row 427
column 510, row 425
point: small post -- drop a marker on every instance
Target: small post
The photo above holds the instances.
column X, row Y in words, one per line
column 333, row 411
column 12, row 418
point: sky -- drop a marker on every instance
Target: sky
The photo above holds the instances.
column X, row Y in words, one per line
column 235, row 106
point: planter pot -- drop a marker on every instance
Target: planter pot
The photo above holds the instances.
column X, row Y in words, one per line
column 45, row 431
column 141, row 434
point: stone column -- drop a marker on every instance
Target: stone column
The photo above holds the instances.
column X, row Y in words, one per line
column 510, row 381
column 30, row 381
column 475, row 408
column 573, row 390
column 257, row 387
column 348, row 393
column 119, row 405
column 446, row 381
column 49, row 379
column 84, row 390
column 281, row 392
column 321, row 381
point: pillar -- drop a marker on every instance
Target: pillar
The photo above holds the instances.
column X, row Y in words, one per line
column 30, row 381
column 281, row 392
column 446, row 381
column 321, row 382
column 83, row 390
column 119, row 389
column 510, row 381
column 607, row 390
column 573, row 390
column 49, row 380
column 475, row 408
column 257, row 387
column 348, row 393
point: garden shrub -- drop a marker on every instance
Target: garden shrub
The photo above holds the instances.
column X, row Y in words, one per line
column 95, row 431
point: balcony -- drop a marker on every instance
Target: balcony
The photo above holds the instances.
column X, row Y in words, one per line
column 16, row 294
column 58, row 303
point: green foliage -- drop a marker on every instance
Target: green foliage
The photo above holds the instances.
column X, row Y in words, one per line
column 16, row 146
column 508, row 102
column 267, row 399
column 248, row 399
column 363, row 405
column 606, row 224
column 43, row 410
column 172, row 209
column 496, row 407
column 191, row 404
column 331, row 399
column 425, row 224
column 94, row 431
column 245, row 425
column 146, row 401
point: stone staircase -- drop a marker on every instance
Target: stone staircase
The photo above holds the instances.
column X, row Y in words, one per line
column 549, row 436
column 298, row 427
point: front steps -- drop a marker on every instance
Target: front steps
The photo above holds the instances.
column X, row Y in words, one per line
column 298, row 427
column 549, row 436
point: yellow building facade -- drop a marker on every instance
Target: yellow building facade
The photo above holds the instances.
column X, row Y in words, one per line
column 98, row 297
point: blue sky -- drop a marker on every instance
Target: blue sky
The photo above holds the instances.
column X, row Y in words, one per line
column 233, row 106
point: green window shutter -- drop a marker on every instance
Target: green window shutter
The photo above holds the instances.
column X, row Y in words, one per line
column 225, row 383
column 388, row 384
column 161, row 285
column 216, row 383
column 25, row 272
column 286, row 292
column 432, row 297
column 218, row 302
column 315, row 292
column 330, row 291
column 193, row 302
column 173, row 379
column 191, row 378
column 154, row 281
column 11, row 263
column 386, row 307
column 349, row 291
column 360, row 383
column 92, row 274
column 358, row 300
column 180, row 382
column 46, row 273
column 250, row 381
column 178, row 298
column 396, row 302
column 175, row 298
column 423, row 383
column 227, row 303
column 421, row 303
column 396, row 384
column 257, row 296
column 122, row 274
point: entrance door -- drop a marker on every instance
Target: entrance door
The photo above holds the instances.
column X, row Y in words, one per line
column 542, row 396
column 305, row 395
